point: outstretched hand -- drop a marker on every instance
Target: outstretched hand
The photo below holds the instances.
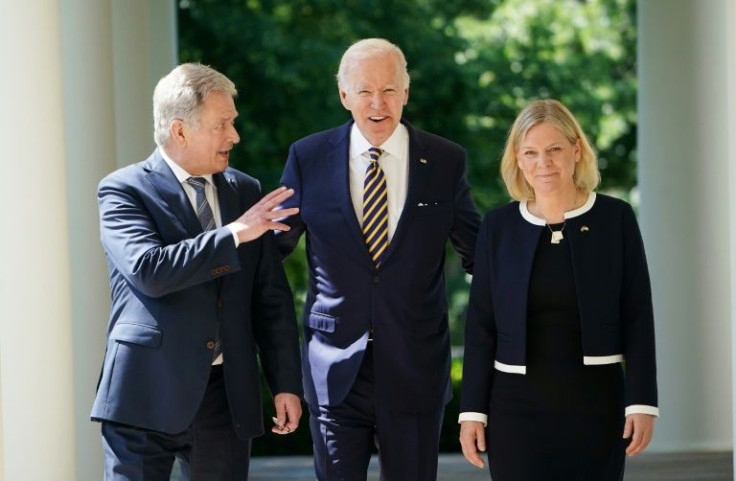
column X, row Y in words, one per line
column 264, row 215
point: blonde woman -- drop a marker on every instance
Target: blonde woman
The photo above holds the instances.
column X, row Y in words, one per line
column 559, row 380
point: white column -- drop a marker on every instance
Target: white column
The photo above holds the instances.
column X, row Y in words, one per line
column 36, row 381
column 89, row 121
column 731, row 158
column 144, row 36
column 109, row 52
column 58, row 133
column 683, row 156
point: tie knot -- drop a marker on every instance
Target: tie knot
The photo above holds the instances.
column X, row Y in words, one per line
column 197, row 182
column 375, row 153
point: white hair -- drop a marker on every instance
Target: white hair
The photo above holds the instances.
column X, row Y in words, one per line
column 369, row 48
column 181, row 94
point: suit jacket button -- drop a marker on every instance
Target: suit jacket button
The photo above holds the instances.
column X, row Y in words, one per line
column 219, row 302
column 210, row 344
column 376, row 279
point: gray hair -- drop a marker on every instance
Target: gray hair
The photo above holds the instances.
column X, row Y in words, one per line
column 369, row 48
column 181, row 94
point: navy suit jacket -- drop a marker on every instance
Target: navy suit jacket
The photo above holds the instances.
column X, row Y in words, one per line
column 404, row 300
column 613, row 293
column 171, row 286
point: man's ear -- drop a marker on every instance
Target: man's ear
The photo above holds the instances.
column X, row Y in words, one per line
column 343, row 98
column 178, row 131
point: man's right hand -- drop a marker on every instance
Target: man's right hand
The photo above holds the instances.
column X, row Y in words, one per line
column 261, row 217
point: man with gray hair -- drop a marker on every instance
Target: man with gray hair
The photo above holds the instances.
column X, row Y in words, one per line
column 198, row 297
column 378, row 200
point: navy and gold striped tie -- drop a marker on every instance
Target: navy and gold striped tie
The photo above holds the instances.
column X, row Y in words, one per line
column 375, row 208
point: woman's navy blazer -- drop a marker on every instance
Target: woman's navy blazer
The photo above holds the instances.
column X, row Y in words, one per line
column 613, row 292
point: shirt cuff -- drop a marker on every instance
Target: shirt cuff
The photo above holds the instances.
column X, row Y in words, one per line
column 477, row 417
column 235, row 234
column 642, row 409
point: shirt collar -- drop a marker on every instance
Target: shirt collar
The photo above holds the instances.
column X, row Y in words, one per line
column 396, row 145
column 181, row 174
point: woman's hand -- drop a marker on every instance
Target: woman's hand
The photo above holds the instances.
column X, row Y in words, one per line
column 638, row 427
column 473, row 441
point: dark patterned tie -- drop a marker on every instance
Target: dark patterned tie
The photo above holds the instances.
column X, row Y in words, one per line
column 375, row 208
column 204, row 211
column 207, row 221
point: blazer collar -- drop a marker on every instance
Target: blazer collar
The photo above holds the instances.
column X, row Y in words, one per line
column 172, row 193
column 533, row 219
column 338, row 157
column 227, row 196
column 419, row 168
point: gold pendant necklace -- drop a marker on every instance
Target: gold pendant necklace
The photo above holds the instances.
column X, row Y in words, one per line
column 556, row 234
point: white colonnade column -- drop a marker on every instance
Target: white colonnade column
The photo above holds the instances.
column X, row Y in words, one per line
column 65, row 113
column 36, row 376
column 731, row 122
column 686, row 207
column 114, row 52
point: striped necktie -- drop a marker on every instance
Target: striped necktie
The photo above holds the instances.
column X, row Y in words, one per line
column 207, row 221
column 375, row 209
column 204, row 211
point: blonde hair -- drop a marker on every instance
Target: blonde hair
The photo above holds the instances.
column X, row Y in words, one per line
column 369, row 48
column 586, row 176
column 181, row 95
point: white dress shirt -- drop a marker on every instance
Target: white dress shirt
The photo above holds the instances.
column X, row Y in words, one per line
column 210, row 191
column 395, row 165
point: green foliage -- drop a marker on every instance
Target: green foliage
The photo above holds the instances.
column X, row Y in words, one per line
column 474, row 65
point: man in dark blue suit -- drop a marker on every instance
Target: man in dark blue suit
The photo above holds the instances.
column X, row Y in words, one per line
column 198, row 295
column 378, row 201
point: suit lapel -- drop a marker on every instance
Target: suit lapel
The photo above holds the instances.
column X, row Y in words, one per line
column 172, row 193
column 339, row 159
column 227, row 197
column 418, row 174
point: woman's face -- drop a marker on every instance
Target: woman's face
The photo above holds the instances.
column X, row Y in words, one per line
column 547, row 159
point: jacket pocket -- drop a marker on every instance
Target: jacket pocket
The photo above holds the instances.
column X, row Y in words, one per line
column 321, row 322
column 136, row 334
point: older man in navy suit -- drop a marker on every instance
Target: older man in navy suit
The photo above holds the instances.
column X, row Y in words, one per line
column 198, row 294
column 378, row 201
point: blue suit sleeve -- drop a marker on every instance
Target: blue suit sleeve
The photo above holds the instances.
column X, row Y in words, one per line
column 134, row 245
column 286, row 241
column 465, row 225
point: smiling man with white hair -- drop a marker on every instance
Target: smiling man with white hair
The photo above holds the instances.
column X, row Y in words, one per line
column 378, row 200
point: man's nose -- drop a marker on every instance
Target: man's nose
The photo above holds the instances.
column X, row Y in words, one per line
column 377, row 99
column 233, row 134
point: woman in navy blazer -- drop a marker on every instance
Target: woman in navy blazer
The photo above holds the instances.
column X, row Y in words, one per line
column 559, row 378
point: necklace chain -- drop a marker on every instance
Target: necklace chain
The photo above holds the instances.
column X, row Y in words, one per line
column 557, row 235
